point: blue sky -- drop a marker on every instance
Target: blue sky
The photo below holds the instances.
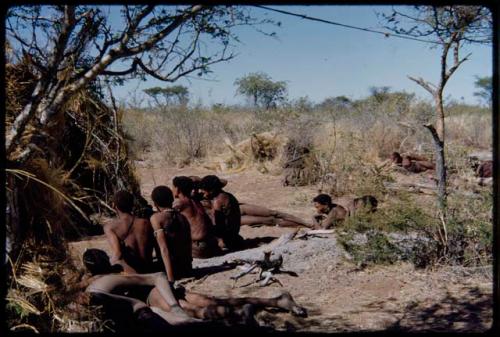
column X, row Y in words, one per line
column 320, row 60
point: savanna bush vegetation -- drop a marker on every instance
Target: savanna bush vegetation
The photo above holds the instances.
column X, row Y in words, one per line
column 350, row 140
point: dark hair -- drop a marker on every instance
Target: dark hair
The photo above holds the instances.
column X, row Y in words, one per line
column 162, row 196
column 396, row 157
column 124, row 201
column 184, row 184
column 196, row 182
column 97, row 262
column 323, row 199
column 211, row 183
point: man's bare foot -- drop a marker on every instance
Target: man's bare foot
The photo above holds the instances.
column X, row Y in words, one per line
column 286, row 301
column 176, row 316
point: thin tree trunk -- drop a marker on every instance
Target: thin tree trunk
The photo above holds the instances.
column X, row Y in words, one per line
column 440, row 115
column 440, row 168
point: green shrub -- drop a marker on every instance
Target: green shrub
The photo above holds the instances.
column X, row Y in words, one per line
column 377, row 249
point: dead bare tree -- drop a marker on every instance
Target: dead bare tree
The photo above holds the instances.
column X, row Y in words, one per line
column 70, row 47
column 450, row 28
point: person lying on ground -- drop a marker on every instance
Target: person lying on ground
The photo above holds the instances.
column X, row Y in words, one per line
column 485, row 169
column 225, row 212
column 130, row 238
column 412, row 163
column 328, row 214
column 254, row 215
column 203, row 241
column 176, row 306
column 172, row 233
column 366, row 203
column 128, row 292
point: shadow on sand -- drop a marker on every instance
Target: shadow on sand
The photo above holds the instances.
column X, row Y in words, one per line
column 472, row 312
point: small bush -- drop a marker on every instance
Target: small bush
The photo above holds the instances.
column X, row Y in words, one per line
column 377, row 249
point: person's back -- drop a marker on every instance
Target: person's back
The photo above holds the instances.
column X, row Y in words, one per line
column 178, row 236
column 130, row 237
column 173, row 235
column 485, row 169
column 138, row 244
column 352, row 204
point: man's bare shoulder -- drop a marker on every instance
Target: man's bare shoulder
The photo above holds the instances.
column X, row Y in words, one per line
column 143, row 222
column 164, row 217
column 111, row 224
column 181, row 204
column 338, row 210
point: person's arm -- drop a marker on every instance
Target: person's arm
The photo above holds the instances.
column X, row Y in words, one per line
column 116, row 251
column 336, row 215
column 316, row 220
column 162, row 244
column 114, row 243
column 219, row 218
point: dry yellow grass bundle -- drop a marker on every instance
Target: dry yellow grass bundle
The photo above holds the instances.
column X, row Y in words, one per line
column 257, row 150
column 74, row 168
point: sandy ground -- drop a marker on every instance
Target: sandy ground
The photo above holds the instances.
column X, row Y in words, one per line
column 337, row 295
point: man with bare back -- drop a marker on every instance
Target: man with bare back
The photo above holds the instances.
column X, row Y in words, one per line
column 225, row 212
column 203, row 240
column 130, row 238
column 412, row 163
column 366, row 204
column 328, row 214
column 173, row 235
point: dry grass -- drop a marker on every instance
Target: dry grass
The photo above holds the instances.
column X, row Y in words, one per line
column 74, row 168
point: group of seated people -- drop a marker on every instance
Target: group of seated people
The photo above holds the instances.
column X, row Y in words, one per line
column 196, row 218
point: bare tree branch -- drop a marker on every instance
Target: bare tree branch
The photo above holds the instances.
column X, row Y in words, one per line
column 456, row 65
column 84, row 45
column 424, row 84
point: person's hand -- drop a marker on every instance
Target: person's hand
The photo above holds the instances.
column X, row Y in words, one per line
column 221, row 244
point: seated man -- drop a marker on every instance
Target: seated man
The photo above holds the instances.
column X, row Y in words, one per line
column 204, row 242
column 225, row 212
column 172, row 233
column 412, row 163
column 328, row 214
column 130, row 238
column 253, row 215
column 176, row 306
